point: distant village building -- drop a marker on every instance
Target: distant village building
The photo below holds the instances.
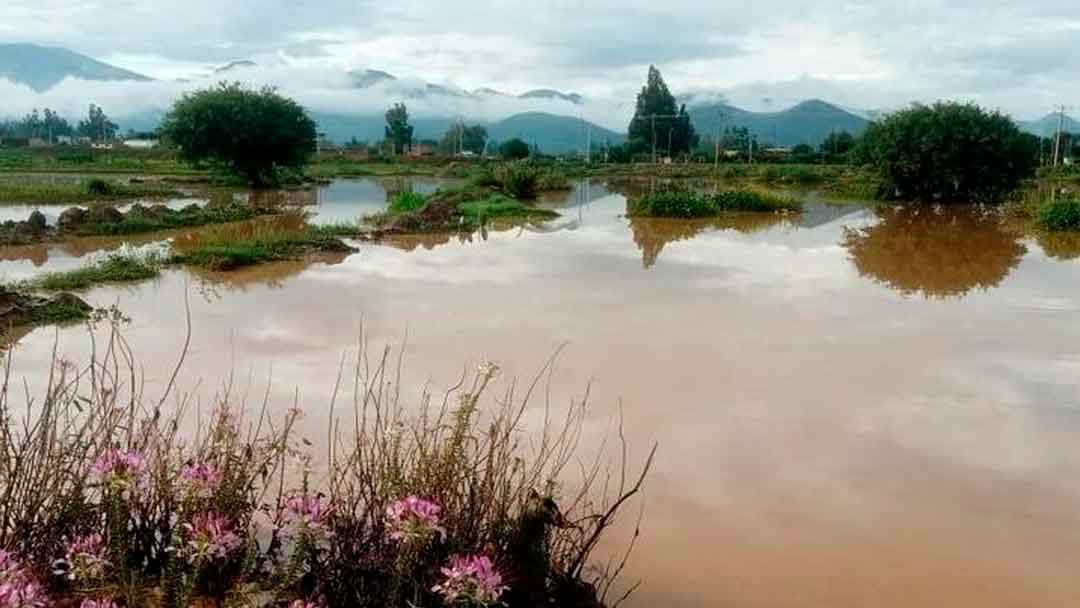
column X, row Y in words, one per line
column 101, row 145
column 422, row 149
column 141, row 144
column 65, row 140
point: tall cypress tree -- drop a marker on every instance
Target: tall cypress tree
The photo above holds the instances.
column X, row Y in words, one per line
column 659, row 120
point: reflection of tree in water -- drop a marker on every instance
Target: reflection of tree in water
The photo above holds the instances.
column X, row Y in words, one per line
column 939, row 252
column 1062, row 246
column 652, row 234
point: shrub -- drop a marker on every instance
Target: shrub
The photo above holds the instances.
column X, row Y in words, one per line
column 1060, row 214
column 948, row 152
column 418, row 503
column 99, row 187
column 680, row 203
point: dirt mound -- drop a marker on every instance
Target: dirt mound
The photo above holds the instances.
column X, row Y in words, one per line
column 439, row 214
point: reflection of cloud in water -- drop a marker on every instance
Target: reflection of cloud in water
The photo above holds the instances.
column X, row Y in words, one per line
column 938, row 252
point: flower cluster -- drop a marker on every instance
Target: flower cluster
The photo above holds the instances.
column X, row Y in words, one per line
column 209, row 536
column 306, row 604
column 471, row 580
column 84, row 560
column 200, row 480
column 413, row 519
column 103, row 603
column 18, row 587
column 308, row 514
column 121, row 470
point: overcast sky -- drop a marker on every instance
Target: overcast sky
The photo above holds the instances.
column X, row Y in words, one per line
column 1022, row 57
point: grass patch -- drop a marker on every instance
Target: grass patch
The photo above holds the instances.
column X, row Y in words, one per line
column 37, row 191
column 141, row 219
column 59, row 311
column 228, row 247
column 118, row 267
column 1059, row 215
column 476, row 213
column 465, row 208
column 404, row 202
column 677, row 203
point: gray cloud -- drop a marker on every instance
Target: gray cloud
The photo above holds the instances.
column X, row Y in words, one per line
column 1016, row 55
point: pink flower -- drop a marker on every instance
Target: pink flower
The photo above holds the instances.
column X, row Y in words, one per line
column 103, row 603
column 18, row 588
column 414, row 518
column 210, row 536
column 309, row 514
column 121, row 469
column 84, row 559
column 201, row 480
column 471, row 580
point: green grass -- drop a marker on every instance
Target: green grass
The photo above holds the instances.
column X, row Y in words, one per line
column 59, row 312
column 113, row 269
column 678, row 203
column 37, row 191
column 85, row 160
column 1059, row 215
column 226, row 247
column 404, row 202
column 477, row 213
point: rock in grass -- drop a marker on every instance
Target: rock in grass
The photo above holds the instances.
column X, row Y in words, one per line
column 71, row 219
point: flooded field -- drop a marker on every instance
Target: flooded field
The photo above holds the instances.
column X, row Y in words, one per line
column 853, row 407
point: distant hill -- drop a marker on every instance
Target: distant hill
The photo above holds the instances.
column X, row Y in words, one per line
column 552, row 133
column 42, row 67
column 1048, row 125
column 809, row 122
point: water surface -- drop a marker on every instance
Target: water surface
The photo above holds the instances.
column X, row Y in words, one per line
column 853, row 407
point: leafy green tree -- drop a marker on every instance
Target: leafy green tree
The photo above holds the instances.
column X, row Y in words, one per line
column 837, row 144
column 948, row 152
column 97, row 125
column 461, row 137
column 253, row 133
column 659, row 123
column 515, row 149
column 398, row 130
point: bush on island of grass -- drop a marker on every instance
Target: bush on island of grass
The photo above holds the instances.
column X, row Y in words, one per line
column 1060, row 214
column 429, row 504
column 948, row 152
column 683, row 203
column 520, row 179
column 465, row 208
column 259, row 135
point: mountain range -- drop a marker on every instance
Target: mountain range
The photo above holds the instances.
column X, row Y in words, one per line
column 42, row 67
column 810, row 122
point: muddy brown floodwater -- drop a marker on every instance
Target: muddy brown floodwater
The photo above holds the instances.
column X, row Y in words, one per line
column 854, row 408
